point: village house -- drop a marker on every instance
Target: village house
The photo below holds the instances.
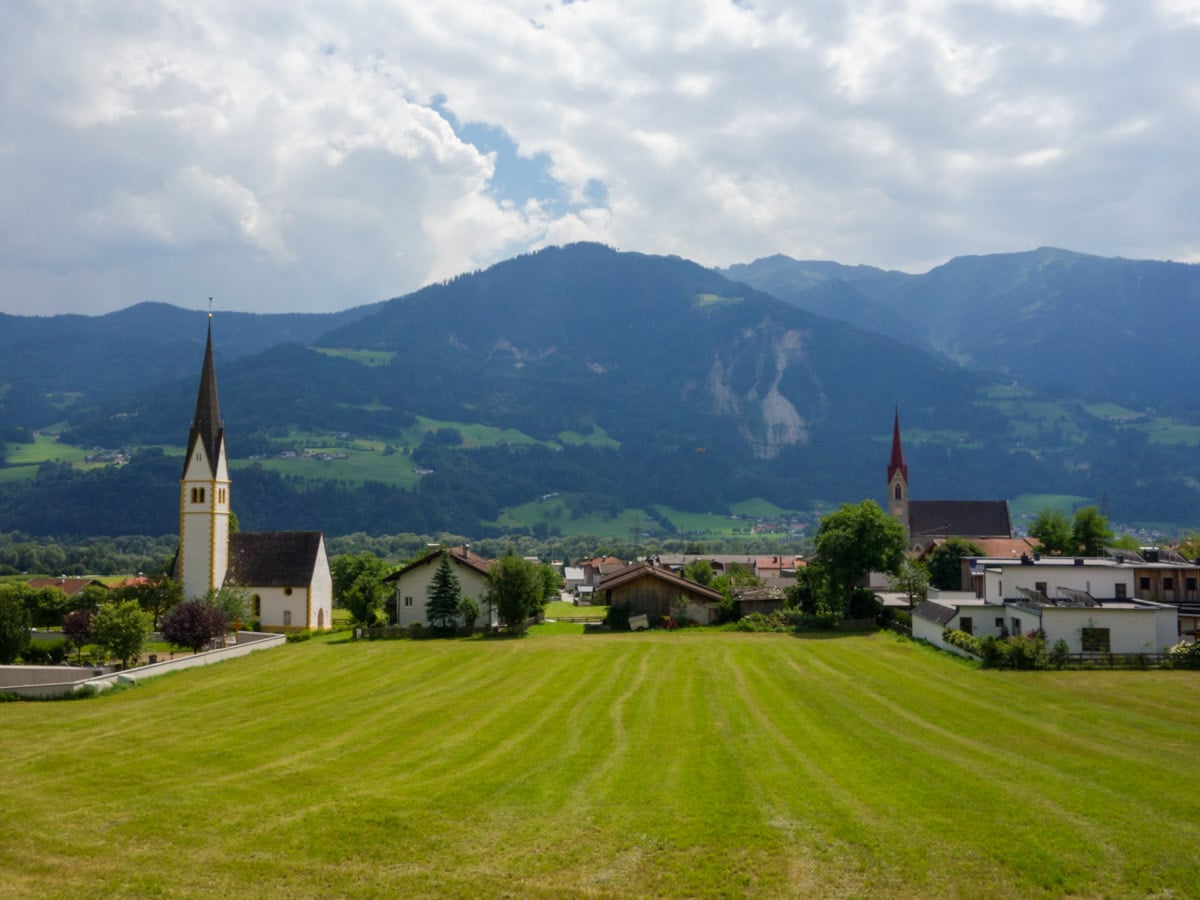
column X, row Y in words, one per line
column 411, row 584
column 1096, row 605
column 69, row 586
column 653, row 590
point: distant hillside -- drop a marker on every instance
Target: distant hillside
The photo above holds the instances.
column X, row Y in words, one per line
column 608, row 381
column 51, row 365
column 1082, row 325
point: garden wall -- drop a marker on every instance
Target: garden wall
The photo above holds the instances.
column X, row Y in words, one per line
column 57, row 681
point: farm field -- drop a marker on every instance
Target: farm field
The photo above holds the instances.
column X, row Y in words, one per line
column 677, row 764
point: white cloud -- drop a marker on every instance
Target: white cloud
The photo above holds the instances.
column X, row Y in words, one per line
column 294, row 157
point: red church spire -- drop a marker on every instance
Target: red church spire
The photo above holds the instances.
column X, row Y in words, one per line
column 897, row 464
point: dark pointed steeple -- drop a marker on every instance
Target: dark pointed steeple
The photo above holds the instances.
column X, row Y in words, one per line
column 207, row 430
column 897, row 464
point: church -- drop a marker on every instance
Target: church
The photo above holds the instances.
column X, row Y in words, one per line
column 285, row 573
column 927, row 522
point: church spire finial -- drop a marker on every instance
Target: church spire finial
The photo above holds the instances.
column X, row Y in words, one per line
column 897, row 463
column 206, row 425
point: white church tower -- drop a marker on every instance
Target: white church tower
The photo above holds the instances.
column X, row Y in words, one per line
column 204, row 493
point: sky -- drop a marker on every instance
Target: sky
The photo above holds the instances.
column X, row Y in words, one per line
column 314, row 156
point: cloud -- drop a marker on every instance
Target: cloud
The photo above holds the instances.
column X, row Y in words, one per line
column 320, row 155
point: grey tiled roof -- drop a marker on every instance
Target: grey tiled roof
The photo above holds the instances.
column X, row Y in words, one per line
column 943, row 518
column 272, row 558
column 935, row 612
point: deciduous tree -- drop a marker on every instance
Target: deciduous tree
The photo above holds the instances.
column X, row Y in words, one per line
column 945, row 563
column 854, row 541
column 514, row 590
column 1052, row 529
column 77, row 628
column 193, row 624
column 468, row 611
column 1089, row 531
column 120, row 628
column 14, row 626
column 912, row 580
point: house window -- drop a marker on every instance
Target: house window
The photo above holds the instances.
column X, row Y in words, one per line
column 1016, row 625
column 1095, row 640
column 408, row 601
column 1120, row 591
column 221, row 495
column 1168, row 583
column 1190, row 584
column 256, row 606
column 899, row 496
column 967, row 624
column 1040, row 587
column 287, row 617
column 197, row 495
column 1000, row 622
column 1144, row 583
column 287, row 592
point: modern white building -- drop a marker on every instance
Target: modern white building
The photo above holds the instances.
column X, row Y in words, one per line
column 1090, row 603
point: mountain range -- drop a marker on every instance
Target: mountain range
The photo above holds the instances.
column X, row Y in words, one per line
column 627, row 381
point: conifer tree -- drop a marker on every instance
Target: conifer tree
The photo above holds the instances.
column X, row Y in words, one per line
column 443, row 593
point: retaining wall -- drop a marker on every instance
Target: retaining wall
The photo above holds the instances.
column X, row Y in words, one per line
column 57, row 681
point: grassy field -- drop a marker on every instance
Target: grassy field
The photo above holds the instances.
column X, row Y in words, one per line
column 679, row 764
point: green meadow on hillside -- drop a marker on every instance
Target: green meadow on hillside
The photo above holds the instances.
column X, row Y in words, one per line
column 660, row 764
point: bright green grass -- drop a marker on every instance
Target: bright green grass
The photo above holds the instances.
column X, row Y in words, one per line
column 473, row 434
column 757, row 508
column 1111, row 411
column 683, row 764
column 24, row 459
column 1032, row 504
column 555, row 512
column 1172, row 434
column 363, row 357
column 360, row 465
column 715, row 299
column 597, row 438
column 556, row 608
column 44, row 447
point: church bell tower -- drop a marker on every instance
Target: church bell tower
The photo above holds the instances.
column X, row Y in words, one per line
column 897, row 475
column 204, row 492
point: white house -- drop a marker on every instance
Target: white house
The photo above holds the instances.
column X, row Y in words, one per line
column 412, row 584
column 286, row 573
column 1087, row 602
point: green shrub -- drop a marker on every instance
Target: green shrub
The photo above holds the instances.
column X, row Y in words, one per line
column 1185, row 655
column 1059, row 654
column 617, row 617
column 797, row 620
column 962, row 641
column 1015, row 652
column 759, row 622
column 45, row 652
column 296, row 637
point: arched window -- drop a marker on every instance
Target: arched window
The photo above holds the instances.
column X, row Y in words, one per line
column 899, row 495
column 256, row 606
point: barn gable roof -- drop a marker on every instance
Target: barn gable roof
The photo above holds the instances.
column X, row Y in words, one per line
column 644, row 569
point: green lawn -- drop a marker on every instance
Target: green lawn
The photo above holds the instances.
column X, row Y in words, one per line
column 681, row 764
